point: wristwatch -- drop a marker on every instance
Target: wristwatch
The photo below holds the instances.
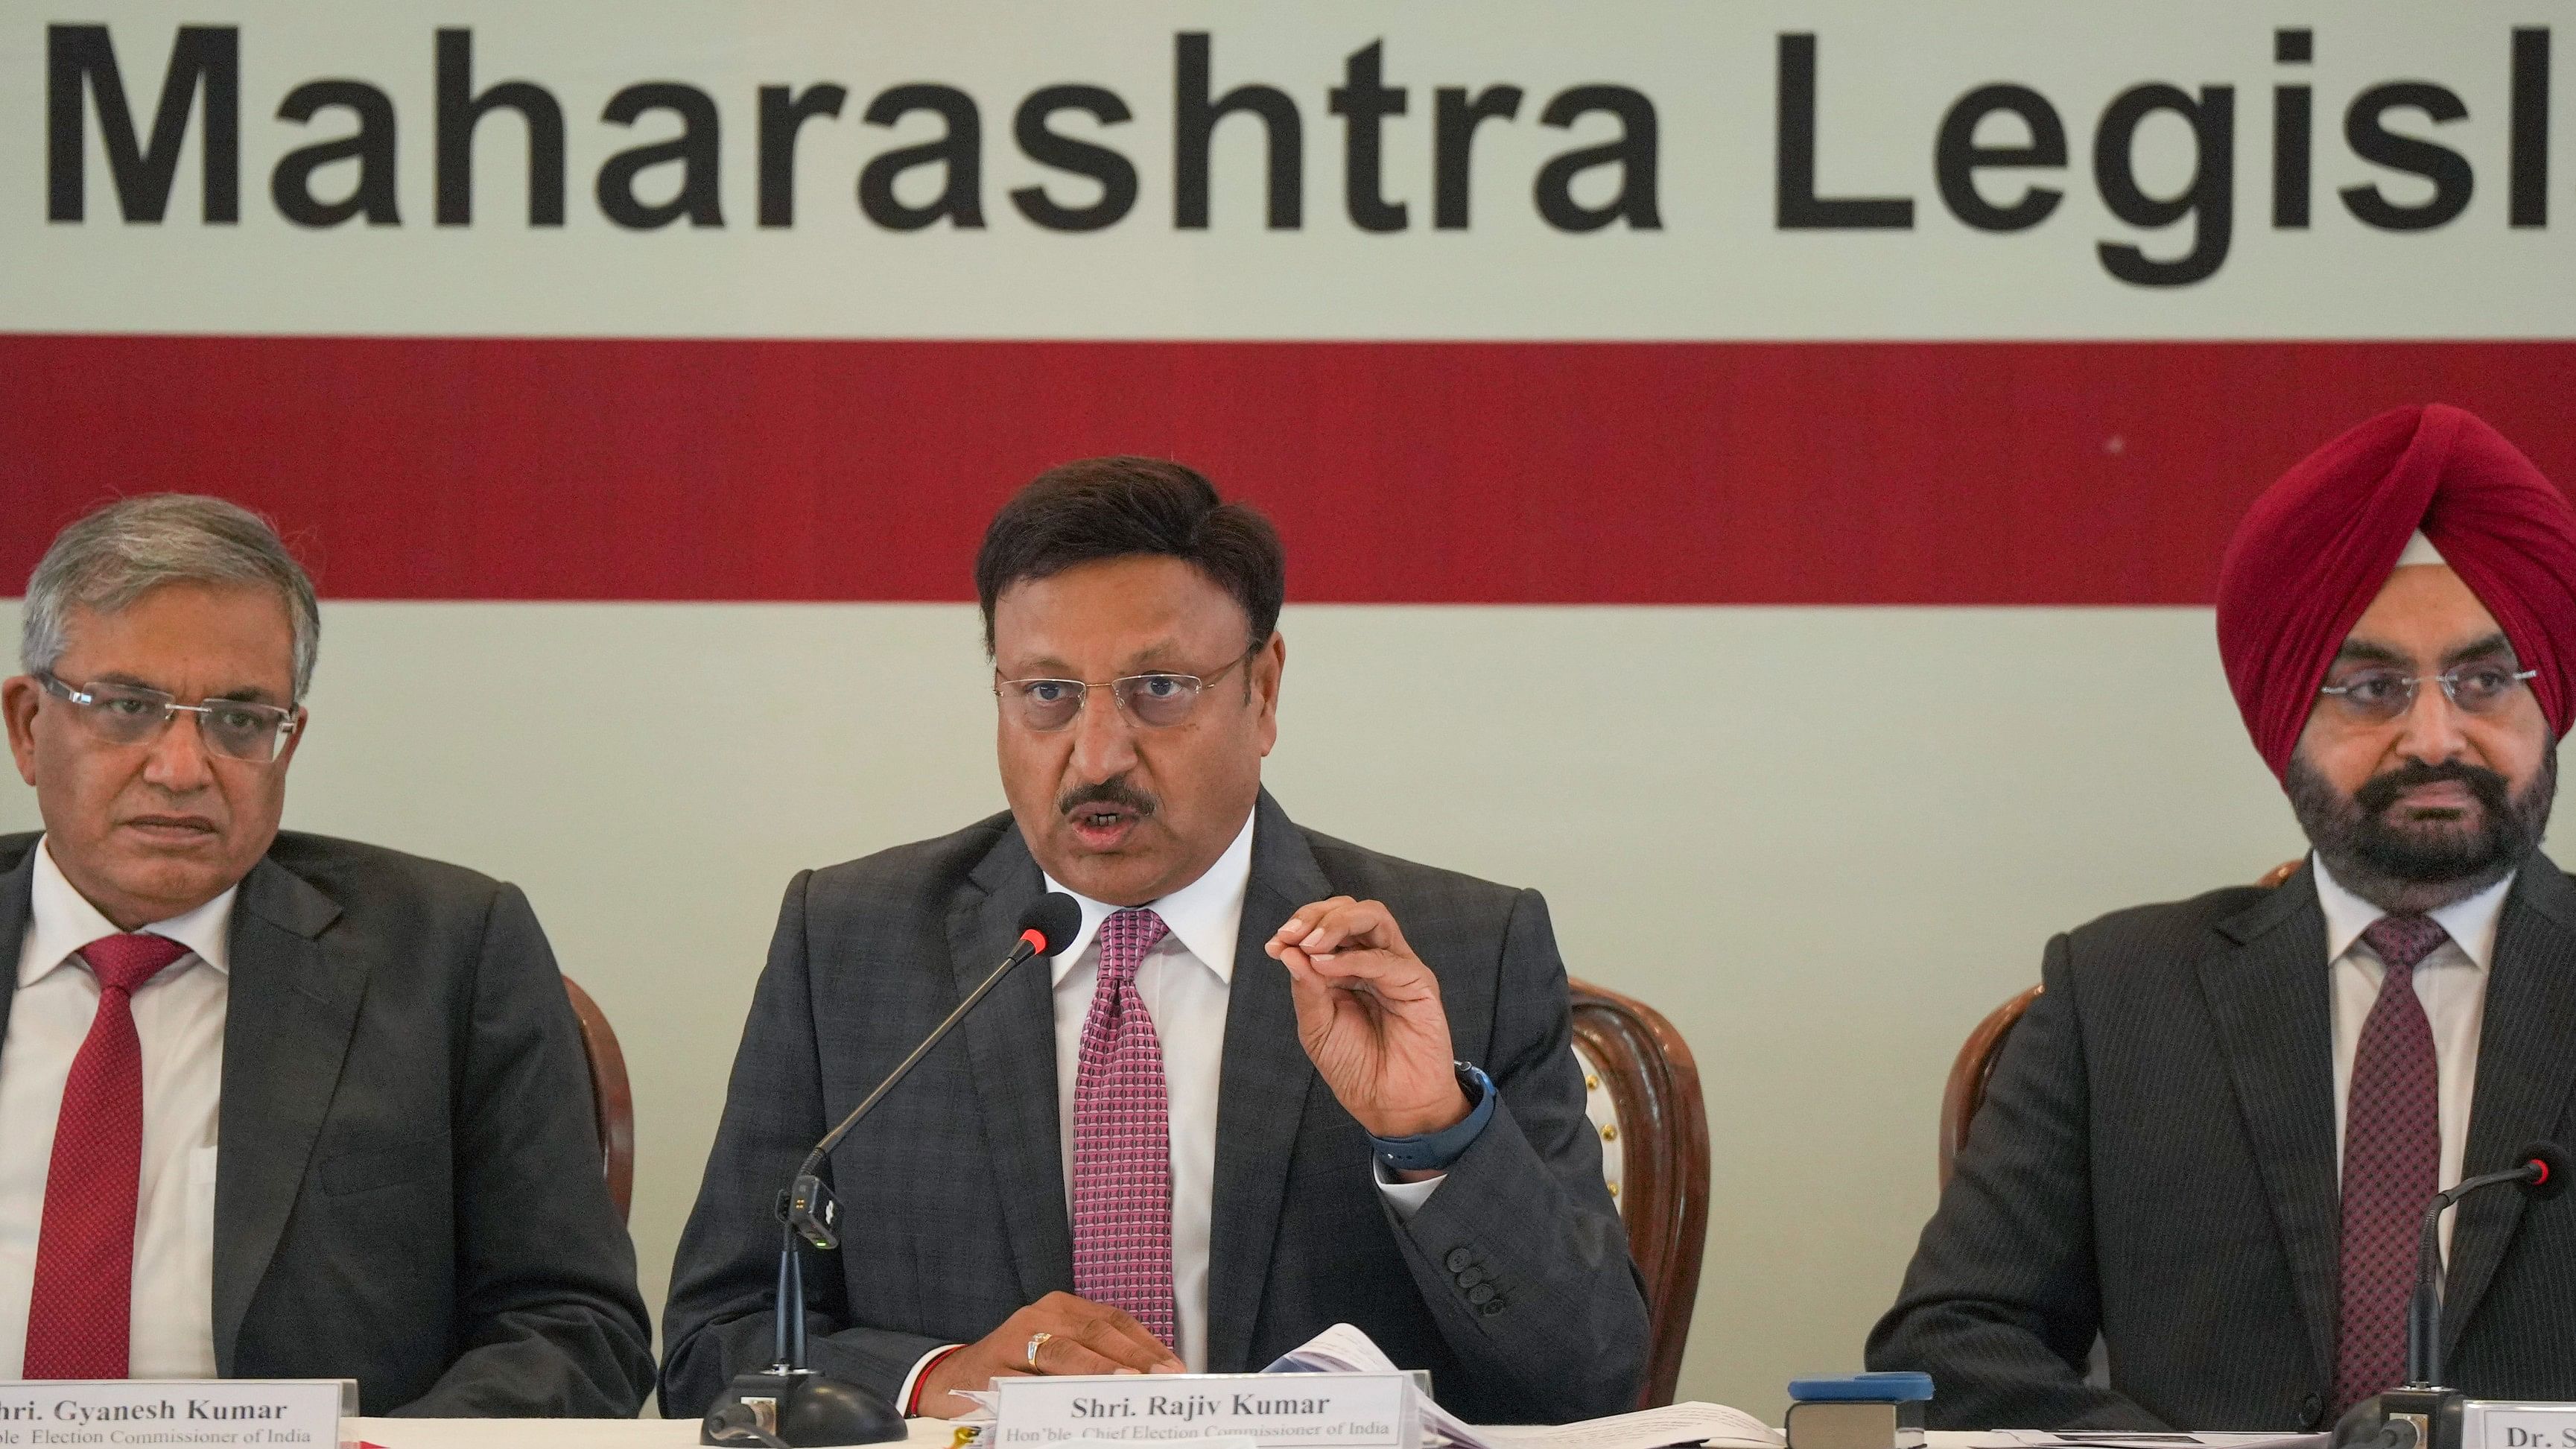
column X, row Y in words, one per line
column 1433, row 1151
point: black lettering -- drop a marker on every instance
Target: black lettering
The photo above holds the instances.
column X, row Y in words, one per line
column 2527, row 156
column 1799, row 208
column 2366, row 131
column 1633, row 153
column 1364, row 102
column 206, row 57
column 1194, row 121
column 460, row 110
column 1453, row 144
column 1116, row 175
column 2291, row 143
column 1957, row 157
column 695, row 149
column 782, row 114
column 2209, row 197
column 960, row 153
column 371, row 146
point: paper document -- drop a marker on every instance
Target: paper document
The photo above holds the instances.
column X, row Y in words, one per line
column 1688, row 1423
column 1344, row 1349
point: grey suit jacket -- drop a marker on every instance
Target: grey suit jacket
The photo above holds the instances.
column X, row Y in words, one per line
column 1513, row 1285
column 409, row 1191
column 2156, row 1162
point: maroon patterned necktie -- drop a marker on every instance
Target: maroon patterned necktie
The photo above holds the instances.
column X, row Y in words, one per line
column 1122, row 1139
column 80, row 1316
column 2392, row 1163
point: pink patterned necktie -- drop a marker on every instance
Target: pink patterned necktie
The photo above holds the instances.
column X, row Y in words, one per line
column 1122, row 1140
column 80, row 1315
column 2392, row 1163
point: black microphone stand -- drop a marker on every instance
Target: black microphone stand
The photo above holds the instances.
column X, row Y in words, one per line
column 2423, row 1413
column 789, row 1405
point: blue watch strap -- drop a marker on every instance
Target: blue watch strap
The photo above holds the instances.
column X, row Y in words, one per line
column 1433, row 1151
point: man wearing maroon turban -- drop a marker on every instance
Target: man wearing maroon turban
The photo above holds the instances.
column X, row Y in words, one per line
column 2193, row 1196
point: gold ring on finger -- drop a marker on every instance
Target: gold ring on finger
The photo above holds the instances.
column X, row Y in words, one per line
column 1037, row 1341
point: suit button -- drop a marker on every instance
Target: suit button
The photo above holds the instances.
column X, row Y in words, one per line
column 1472, row 1277
column 1481, row 1295
column 2311, row 1409
column 1490, row 1309
column 1458, row 1259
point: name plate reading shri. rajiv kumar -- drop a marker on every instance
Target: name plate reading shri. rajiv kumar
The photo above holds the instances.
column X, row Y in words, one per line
column 1274, row 1411
column 181, row 1414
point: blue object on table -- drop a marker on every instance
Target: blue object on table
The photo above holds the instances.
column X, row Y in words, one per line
column 1877, row 1388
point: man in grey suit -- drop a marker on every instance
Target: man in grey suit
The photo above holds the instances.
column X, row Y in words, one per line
column 2212, row 1139
column 271, row 1105
column 1245, row 1104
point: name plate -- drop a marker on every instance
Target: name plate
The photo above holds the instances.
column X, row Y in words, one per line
column 1318, row 1411
column 219, row 1413
column 2496, row 1424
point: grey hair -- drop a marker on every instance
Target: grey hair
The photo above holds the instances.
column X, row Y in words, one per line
column 109, row 559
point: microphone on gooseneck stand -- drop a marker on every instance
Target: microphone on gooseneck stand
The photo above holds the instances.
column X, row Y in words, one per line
column 788, row 1405
column 2424, row 1414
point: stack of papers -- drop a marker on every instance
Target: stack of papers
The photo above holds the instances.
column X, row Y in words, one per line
column 1344, row 1349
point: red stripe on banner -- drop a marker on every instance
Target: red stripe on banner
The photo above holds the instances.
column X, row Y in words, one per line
column 1644, row 473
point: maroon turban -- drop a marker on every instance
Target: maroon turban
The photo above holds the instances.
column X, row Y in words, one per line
column 2319, row 544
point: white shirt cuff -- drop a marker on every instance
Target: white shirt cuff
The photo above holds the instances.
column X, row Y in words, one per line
column 903, row 1395
column 1406, row 1198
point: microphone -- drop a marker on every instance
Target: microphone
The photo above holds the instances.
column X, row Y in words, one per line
column 789, row 1404
column 2423, row 1414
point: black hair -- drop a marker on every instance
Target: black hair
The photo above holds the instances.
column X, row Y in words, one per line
column 1103, row 508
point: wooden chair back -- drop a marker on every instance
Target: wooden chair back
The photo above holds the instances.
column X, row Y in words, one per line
column 1644, row 1100
column 1965, row 1092
column 612, row 1099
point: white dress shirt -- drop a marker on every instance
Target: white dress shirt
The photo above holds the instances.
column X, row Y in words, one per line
column 2452, row 985
column 1185, row 982
column 179, row 1018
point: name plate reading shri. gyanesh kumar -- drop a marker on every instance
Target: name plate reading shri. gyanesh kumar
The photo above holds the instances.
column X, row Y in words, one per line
column 1275, row 1411
column 181, row 1414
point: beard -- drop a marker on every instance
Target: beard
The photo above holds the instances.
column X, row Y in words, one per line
column 2420, row 865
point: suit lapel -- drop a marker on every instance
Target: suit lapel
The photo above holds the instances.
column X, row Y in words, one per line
column 15, row 887
column 1011, row 1039
column 292, row 1007
column 1262, row 1088
column 2269, row 994
column 2525, row 1071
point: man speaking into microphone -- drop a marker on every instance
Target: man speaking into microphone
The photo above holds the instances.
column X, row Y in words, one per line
column 1274, row 1082
column 2212, row 1140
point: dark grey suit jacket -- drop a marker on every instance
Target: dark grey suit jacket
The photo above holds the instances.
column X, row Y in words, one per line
column 409, row 1191
column 2155, row 1162
column 1512, row 1285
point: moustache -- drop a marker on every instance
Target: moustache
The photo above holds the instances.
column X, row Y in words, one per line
column 2380, row 792
column 1108, row 792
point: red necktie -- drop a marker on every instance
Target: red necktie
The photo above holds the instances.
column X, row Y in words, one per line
column 1122, row 1140
column 80, row 1317
column 2392, row 1163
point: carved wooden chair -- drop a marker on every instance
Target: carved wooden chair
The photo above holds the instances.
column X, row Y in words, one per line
column 1965, row 1092
column 612, row 1099
column 1642, row 1094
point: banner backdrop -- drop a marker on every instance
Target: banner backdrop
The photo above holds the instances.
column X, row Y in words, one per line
column 2013, row 303
column 638, row 378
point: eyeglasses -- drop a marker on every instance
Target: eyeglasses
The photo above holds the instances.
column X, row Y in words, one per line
column 129, row 714
column 2378, row 696
column 1155, row 701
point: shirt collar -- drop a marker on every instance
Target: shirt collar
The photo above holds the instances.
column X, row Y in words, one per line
column 2471, row 923
column 1205, row 916
column 60, row 921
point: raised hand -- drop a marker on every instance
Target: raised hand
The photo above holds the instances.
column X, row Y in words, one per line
column 1369, row 1014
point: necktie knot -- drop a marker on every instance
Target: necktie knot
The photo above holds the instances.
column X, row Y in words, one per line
column 124, row 963
column 2404, row 938
column 1124, row 939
